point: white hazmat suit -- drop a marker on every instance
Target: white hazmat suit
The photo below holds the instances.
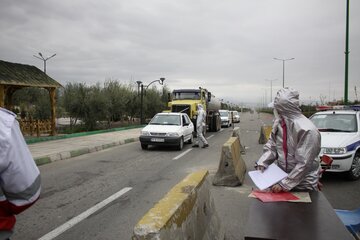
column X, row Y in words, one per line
column 200, row 124
column 294, row 144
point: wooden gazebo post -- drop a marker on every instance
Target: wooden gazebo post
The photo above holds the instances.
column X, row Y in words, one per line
column 2, row 95
column 53, row 110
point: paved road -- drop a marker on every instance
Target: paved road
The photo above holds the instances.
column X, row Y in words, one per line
column 73, row 186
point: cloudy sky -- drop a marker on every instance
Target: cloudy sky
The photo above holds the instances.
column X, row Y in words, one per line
column 227, row 46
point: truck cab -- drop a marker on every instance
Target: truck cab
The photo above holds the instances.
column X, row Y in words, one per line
column 186, row 100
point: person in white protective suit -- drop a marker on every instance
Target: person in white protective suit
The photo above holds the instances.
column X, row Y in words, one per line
column 294, row 145
column 200, row 124
column 19, row 175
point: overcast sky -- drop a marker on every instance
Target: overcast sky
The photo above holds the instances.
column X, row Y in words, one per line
column 227, row 46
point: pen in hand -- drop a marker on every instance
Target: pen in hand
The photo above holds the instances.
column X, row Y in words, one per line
column 260, row 167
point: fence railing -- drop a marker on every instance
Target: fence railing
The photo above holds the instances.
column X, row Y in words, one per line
column 35, row 127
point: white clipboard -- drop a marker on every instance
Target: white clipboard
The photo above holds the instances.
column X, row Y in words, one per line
column 272, row 175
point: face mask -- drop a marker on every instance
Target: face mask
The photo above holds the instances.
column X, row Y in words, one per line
column 276, row 114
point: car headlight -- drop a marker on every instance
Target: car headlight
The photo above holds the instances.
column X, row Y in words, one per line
column 145, row 133
column 172, row 134
column 334, row 150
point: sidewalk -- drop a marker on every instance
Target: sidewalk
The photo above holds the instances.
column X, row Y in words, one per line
column 55, row 150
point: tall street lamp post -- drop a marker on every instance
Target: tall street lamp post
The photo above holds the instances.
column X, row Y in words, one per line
column 346, row 54
column 44, row 59
column 271, row 87
column 142, row 86
column 283, row 60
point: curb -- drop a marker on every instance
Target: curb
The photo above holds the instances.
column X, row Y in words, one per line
column 74, row 153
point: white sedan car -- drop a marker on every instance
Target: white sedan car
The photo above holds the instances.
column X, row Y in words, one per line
column 170, row 129
column 340, row 139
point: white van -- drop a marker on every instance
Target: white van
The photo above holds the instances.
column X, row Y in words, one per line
column 225, row 116
column 235, row 116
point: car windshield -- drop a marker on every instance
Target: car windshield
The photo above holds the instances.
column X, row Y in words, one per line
column 335, row 122
column 186, row 95
column 166, row 120
column 224, row 114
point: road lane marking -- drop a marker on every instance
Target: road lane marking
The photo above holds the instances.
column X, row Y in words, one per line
column 182, row 154
column 72, row 222
column 210, row 136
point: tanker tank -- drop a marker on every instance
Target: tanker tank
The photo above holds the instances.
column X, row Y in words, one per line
column 214, row 104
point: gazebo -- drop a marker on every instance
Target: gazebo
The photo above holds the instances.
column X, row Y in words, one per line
column 14, row 76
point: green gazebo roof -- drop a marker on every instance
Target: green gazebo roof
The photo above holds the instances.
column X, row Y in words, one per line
column 16, row 74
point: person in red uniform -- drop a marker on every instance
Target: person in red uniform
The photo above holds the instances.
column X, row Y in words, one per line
column 19, row 176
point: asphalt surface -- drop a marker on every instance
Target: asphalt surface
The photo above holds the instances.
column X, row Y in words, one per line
column 231, row 203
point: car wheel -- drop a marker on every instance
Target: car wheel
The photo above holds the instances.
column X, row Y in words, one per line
column 144, row 146
column 354, row 173
column 191, row 139
column 181, row 144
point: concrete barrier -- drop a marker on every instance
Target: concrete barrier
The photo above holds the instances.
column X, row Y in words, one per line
column 186, row 212
column 265, row 132
column 232, row 168
column 236, row 133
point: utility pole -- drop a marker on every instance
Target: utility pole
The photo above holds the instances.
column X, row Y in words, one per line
column 44, row 59
column 346, row 54
column 271, row 99
column 142, row 86
column 283, row 61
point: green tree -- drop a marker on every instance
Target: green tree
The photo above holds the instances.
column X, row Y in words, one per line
column 117, row 96
column 95, row 107
column 74, row 100
column 133, row 105
column 35, row 102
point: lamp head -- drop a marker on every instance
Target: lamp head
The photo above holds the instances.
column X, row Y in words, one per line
column 139, row 82
column 162, row 81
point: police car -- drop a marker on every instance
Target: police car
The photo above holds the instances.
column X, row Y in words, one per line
column 340, row 139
